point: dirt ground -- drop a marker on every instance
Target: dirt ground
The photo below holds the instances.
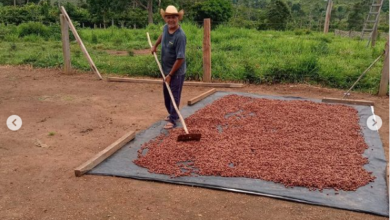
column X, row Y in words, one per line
column 76, row 116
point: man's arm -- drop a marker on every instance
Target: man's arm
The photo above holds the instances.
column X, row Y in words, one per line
column 176, row 66
column 158, row 42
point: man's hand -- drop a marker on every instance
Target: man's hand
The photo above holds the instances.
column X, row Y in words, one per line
column 154, row 49
column 158, row 42
column 168, row 79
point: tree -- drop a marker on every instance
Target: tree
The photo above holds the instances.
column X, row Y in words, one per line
column 104, row 10
column 247, row 14
column 278, row 14
column 100, row 10
column 78, row 14
column 148, row 5
column 296, row 8
column 385, row 7
column 218, row 11
column 356, row 18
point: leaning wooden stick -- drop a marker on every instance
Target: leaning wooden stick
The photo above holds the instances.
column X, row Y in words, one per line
column 188, row 136
column 80, row 42
column 372, row 64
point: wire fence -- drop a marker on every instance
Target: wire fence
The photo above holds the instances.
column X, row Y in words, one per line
column 355, row 34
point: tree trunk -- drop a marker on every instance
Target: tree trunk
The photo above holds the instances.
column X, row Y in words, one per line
column 150, row 11
column 15, row 3
column 327, row 18
column 148, row 7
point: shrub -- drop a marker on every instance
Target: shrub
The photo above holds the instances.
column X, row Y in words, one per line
column 218, row 11
column 278, row 14
column 33, row 28
column 13, row 47
column 94, row 39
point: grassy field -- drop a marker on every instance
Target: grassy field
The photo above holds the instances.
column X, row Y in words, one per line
column 237, row 54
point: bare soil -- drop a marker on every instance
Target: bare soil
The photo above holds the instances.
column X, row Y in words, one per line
column 126, row 53
column 142, row 52
column 118, row 52
column 69, row 118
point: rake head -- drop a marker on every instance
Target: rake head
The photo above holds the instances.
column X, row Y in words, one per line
column 189, row 137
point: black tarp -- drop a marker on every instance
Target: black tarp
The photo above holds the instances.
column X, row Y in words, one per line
column 372, row 198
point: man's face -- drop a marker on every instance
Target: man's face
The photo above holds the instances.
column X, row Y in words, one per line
column 172, row 21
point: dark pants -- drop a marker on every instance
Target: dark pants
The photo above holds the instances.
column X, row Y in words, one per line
column 176, row 87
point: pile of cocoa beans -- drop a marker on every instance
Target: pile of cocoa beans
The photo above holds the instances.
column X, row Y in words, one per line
column 295, row 143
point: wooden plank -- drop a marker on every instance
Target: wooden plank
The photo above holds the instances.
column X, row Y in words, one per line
column 186, row 83
column 219, row 85
column 206, row 50
column 65, row 44
column 384, row 84
column 201, row 96
column 80, row 42
column 348, row 101
column 104, row 154
column 120, row 79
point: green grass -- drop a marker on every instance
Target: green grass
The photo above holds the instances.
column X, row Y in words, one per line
column 237, row 54
column 52, row 133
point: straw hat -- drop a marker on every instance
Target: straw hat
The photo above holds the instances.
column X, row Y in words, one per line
column 172, row 10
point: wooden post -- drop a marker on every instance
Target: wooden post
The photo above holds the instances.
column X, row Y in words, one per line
column 65, row 44
column 385, row 72
column 374, row 36
column 80, row 42
column 327, row 18
column 206, row 50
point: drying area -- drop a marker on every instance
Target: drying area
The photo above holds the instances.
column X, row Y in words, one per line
column 282, row 147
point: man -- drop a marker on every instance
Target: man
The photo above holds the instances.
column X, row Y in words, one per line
column 173, row 45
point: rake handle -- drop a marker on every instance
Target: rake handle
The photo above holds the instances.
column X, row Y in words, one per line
column 168, row 87
column 372, row 64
